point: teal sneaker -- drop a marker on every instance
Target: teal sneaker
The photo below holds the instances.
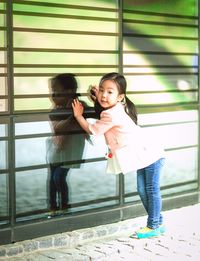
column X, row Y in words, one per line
column 162, row 229
column 147, row 232
column 52, row 214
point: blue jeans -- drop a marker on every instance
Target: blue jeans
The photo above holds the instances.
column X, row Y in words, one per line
column 148, row 186
column 58, row 187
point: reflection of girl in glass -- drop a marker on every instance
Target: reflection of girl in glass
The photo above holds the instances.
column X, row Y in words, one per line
column 62, row 146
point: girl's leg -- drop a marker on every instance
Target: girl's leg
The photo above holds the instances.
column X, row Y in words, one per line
column 152, row 185
column 62, row 186
column 52, row 189
column 64, row 191
column 141, row 188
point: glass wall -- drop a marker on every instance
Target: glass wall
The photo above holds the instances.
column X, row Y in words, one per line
column 160, row 61
column 4, row 124
column 156, row 47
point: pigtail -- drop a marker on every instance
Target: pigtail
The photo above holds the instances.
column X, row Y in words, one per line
column 130, row 109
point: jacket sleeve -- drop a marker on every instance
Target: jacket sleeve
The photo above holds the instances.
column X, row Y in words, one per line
column 102, row 125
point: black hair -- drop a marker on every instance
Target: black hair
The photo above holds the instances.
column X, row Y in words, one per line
column 66, row 80
column 120, row 81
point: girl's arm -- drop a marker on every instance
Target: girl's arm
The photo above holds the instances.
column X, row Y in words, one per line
column 100, row 127
column 78, row 114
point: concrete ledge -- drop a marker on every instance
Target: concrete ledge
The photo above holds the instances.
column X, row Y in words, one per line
column 70, row 239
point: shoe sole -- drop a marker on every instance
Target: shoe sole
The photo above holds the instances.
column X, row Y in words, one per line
column 140, row 236
column 155, row 233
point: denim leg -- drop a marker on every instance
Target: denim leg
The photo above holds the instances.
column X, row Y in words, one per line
column 64, row 191
column 52, row 189
column 150, row 192
column 141, row 188
column 61, row 185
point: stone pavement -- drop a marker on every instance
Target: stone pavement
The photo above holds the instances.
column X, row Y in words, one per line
column 180, row 242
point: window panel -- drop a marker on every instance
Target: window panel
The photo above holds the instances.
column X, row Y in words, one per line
column 176, row 135
column 3, row 145
column 87, row 3
column 86, row 81
column 66, row 24
column 31, row 190
column 4, row 185
column 177, row 172
column 2, row 57
column 1, row 17
column 3, row 105
column 160, row 30
column 164, row 98
column 28, row 128
column 161, row 82
column 2, row 6
column 3, row 154
column 65, row 58
column 3, row 130
column 168, row 117
column 2, row 36
column 66, row 11
column 160, row 45
column 178, row 132
column 164, row 60
column 32, row 104
column 64, row 41
column 183, row 7
column 151, row 17
column 4, row 199
column 31, row 85
column 158, row 70
column 30, row 152
column 80, row 181
column 187, row 187
column 73, row 70
column 3, row 70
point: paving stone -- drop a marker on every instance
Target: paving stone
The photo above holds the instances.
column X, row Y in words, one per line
column 30, row 246
column 16, row 258
column 113, row 229
column 36, row 257
column 45, row 242
column 85, row 254
column 14, row 250
column 101, row 231
column 2, row 251
column 63, row 240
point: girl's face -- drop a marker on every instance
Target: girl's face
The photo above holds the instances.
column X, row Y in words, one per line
column 108, row 94
column 62, row 97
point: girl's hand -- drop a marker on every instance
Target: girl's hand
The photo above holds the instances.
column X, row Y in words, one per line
column 93, row 92
column 77, row 108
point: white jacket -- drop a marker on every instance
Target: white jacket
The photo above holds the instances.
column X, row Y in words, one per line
column 127, row 141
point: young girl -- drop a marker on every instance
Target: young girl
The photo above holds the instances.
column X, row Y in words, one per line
column 129, row 149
